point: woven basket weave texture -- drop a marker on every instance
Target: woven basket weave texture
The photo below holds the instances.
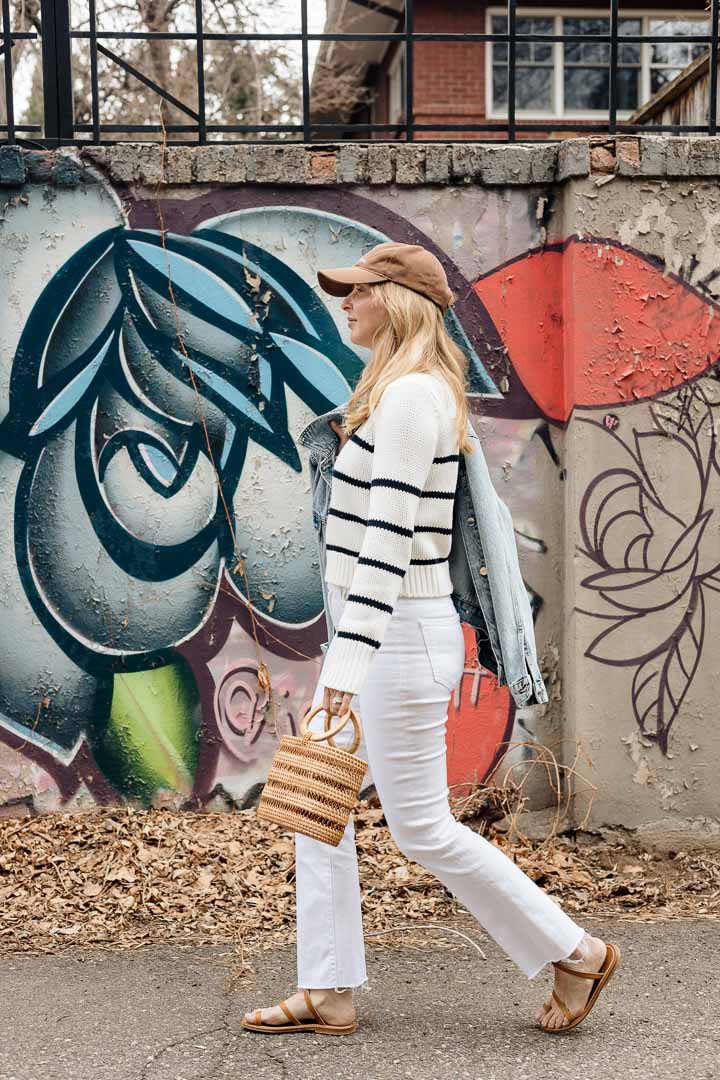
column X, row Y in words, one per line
column 311, row 788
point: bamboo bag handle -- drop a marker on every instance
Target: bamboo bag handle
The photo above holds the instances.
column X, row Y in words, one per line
column 311, row 735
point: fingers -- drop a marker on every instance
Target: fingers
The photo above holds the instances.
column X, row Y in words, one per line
column 339, row 707
column 335, row 425
column 329, row 705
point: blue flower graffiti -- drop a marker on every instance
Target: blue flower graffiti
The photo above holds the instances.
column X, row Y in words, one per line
column 152, row 371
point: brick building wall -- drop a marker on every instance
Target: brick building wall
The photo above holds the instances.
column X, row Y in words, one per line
column 450, row 76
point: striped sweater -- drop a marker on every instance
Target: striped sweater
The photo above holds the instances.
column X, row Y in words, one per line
column 389, row 525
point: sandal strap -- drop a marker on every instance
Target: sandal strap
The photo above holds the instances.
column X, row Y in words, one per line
column 312, row 1008
column 580, row 974
column 563, row 1006
column 288, row 1013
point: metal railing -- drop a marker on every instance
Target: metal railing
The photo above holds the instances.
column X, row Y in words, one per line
column 59, row 126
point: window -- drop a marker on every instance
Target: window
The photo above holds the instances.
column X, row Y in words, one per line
column 668, row 58
column 396, row 88
column 535, row 65
column 572, row 78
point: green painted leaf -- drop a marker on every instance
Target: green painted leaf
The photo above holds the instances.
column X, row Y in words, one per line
column 151, row 740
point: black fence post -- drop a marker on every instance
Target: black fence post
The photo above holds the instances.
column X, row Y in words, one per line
column 409, row 72
column 57, row 71
column 8, row 58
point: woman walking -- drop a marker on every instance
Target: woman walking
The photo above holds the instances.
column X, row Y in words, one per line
column 398, row 653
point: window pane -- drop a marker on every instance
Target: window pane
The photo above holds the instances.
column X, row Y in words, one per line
column 589, row 52
column 396, row 89
column 534, row 71
column 629, row 54
column 676, row 53
column 529, row 25
column 498, row 25
column 668, row 52
column 533, row 88
column 660, row 77
column 586, row 88
column 628, row 83
column 679, row 26
column 500, row 86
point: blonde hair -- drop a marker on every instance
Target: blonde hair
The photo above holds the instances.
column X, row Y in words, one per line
column 413, row 337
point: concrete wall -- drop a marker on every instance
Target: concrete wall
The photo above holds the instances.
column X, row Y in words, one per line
column 154, row 639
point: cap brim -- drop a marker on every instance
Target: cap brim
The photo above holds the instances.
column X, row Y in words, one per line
column 340, row 281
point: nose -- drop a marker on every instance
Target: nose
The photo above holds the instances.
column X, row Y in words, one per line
column 346, row 304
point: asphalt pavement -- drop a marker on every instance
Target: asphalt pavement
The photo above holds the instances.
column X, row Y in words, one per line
column 167, row 1013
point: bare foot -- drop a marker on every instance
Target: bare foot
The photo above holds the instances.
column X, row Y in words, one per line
column 334, row 1007
column 573, row 991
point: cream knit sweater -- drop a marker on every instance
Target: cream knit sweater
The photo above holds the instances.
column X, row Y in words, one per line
column 389, row 525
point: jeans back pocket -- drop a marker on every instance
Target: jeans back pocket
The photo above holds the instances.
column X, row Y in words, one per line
column 445, row 646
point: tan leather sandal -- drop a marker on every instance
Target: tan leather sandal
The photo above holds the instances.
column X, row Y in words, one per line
column 316, row 1024
column 611, row 961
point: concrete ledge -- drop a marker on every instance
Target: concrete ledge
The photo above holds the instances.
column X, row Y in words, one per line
column 375, row 163
column 12, row 165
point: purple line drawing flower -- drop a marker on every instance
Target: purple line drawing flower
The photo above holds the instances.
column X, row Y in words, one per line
column 644, row 526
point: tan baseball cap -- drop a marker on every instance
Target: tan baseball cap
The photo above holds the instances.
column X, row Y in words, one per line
column 406, row 264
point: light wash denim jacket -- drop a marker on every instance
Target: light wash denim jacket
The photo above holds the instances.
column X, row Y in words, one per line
column 488, row 590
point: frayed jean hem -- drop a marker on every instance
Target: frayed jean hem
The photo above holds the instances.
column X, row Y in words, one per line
column 536, row 972
column 364, row 985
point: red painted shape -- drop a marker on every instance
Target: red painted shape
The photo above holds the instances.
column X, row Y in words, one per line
column 478, row 725
column 593, row 323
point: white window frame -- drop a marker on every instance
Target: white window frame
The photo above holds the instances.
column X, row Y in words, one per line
column 560, row 112
column 395, row 77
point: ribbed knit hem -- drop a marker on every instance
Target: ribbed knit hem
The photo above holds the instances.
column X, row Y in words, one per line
column 346, row 664
column 433, row 580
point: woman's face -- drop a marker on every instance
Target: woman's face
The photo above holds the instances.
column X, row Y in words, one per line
column 365, row 314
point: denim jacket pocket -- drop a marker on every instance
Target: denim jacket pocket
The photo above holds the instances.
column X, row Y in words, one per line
column 445, row 647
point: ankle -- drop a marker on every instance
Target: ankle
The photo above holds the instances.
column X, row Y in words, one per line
column 331, row 993
column 580, row 952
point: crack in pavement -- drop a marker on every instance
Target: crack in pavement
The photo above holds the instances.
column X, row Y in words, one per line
column 176, row 1042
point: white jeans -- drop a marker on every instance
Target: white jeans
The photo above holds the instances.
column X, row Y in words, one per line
column 402, row 708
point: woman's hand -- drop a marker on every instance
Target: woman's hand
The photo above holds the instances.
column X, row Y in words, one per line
column 340, row 707
column 337, row 428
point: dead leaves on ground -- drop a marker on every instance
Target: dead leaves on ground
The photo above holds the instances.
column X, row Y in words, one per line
column 124, row 878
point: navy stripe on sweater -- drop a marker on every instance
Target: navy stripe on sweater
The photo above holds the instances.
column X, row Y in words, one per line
column 441, row 460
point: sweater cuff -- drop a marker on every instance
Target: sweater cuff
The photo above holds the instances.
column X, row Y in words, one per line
column 346, row 664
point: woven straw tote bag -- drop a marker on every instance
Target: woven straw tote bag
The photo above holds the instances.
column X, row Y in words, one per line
column 311, row 788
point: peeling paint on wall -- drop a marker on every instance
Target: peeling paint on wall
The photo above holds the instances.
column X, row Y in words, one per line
column 157, row 639
column 159, row 510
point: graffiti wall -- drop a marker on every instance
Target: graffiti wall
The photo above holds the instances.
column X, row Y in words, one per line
column 160, row 350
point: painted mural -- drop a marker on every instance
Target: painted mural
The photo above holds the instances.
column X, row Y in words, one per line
column 162, row 608
column 164, row 611
column 616, row 330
